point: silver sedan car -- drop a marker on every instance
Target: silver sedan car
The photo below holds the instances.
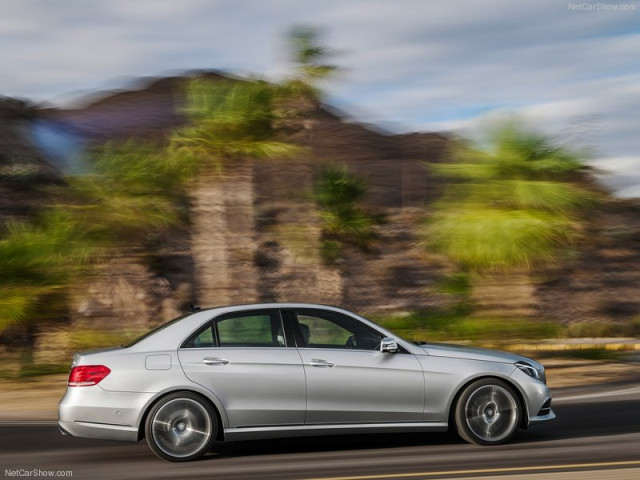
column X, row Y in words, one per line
column 276, row 370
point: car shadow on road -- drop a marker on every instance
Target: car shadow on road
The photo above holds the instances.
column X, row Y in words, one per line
column 573, row 421
column 333, row 443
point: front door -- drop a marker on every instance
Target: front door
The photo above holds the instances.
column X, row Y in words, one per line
column 348, row 379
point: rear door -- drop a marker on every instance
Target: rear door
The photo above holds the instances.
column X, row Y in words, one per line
column 244, row 359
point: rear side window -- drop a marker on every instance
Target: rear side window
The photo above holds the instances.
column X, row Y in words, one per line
column 203, row 339
column 249, row 329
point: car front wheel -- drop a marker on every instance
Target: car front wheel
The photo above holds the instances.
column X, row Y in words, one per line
column 488, row 412
column 180, row 427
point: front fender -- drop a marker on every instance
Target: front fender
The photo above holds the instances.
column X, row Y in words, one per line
column 446, row 377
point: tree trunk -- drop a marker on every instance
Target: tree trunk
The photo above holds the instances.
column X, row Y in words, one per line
column 223, row 235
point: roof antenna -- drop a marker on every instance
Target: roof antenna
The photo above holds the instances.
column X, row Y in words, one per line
column 193, row 308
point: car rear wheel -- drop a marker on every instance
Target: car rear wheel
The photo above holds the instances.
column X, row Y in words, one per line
column 488, row 412
column 181, row 426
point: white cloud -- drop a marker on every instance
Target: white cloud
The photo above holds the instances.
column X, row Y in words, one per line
column 419, row 64
column 630, row 192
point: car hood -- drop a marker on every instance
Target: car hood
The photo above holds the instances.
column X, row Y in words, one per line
column 471, row 353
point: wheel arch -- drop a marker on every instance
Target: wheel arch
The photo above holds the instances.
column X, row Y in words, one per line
column 524, row 418
column 161, row 395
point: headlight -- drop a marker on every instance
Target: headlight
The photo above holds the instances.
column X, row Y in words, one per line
column 531, row 371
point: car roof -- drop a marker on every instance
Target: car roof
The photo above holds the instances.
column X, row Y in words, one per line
column 254, row 306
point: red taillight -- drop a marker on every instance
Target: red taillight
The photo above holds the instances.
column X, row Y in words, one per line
column 87, row 375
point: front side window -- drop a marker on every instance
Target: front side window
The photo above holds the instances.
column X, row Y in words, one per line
column 249, row 329
column 325, row 329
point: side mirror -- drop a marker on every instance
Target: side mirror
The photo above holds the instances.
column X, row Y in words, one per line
column 389, row 345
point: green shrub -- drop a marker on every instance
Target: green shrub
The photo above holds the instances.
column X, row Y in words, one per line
column 601, row 329
column 457, row 325
column 338, row 194
column 456, row 284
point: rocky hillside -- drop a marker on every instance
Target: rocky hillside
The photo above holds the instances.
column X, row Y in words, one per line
column 258, row 225
column 602, row 281
column 23, row 167
column 255, row 235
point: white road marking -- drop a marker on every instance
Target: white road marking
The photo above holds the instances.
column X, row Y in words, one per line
column 587, row 396
column 536, row 468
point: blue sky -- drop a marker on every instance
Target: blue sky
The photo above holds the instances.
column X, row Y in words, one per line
column 571, row 68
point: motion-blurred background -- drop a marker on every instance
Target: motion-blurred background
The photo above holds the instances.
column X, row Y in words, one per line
column 281, row 164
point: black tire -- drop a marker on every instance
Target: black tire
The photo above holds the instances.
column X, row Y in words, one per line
column 488, row 412
column 181, row 427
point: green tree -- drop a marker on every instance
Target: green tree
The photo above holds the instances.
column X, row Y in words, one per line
column 132, row 191
column 310, row 61
column 228, row 121
column 134, row 188
column 230, row 125
column 516, row 205
column 39, row 261
column 339, row 194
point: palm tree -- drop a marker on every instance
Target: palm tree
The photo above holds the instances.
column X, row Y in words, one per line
column 310, row 62
column 509, row 209
column 130, row 193
column 40, row 261
column 37, row 260
column 134, row 189
column 231, row 124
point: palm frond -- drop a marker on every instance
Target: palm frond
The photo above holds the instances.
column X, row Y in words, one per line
column 560, row 197
column 498, row 239
column 228, row 122
column 513, row 205
column 463, row 171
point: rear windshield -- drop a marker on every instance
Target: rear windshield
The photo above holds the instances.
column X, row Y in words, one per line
column 157, row 329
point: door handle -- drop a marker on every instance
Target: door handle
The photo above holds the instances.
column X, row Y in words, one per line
column 317, row 362
column 215, row 361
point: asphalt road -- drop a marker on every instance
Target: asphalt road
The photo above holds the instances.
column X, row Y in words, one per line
column 596, row 435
